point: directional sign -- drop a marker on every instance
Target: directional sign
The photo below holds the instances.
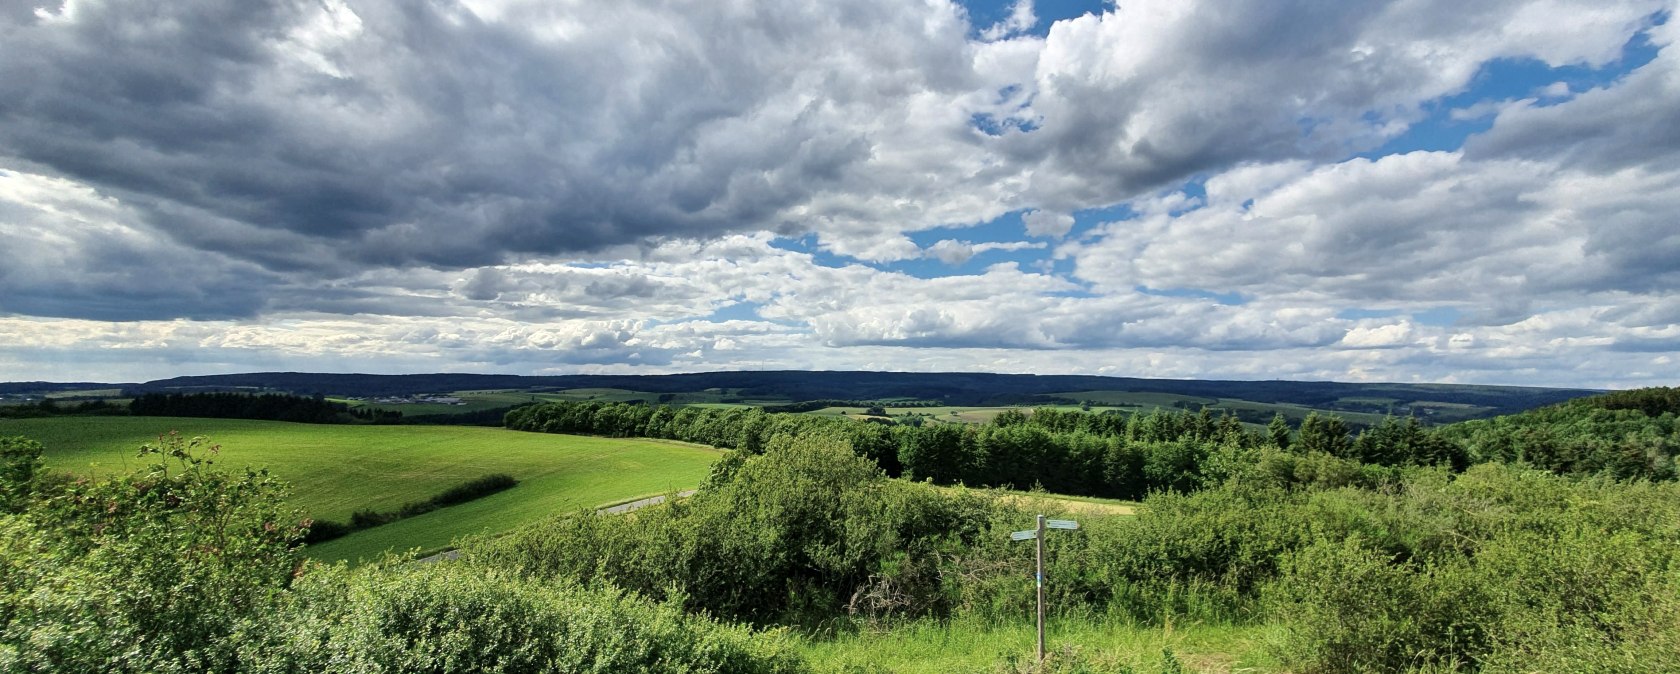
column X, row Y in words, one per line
column 1038, row 534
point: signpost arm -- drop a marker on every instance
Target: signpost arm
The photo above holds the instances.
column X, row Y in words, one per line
column 1040, row 538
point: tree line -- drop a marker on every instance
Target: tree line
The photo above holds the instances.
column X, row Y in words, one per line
column 1069, row 452
column 1126, row 456
column 266, row 406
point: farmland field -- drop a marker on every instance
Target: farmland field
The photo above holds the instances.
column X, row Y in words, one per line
column 335, row 470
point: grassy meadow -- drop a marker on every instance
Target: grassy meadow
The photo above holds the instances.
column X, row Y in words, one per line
column 336, row 470
column 964, row 645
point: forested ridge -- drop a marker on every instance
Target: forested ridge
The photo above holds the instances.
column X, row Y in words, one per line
column 951, row 388
column 1546, row 541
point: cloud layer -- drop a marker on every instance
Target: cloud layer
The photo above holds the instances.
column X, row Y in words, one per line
column 1202, row 189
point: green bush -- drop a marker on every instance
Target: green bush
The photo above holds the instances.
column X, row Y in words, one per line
column 150, row 572
column 1503, row 568
column 805, row 532
column 20, row 460
column 1349, row 608
column 447, row 618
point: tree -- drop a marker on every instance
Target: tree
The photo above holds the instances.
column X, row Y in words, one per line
column 1326, row 434
column 1279, row 431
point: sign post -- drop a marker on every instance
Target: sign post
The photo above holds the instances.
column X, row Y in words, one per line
column 1038, row 535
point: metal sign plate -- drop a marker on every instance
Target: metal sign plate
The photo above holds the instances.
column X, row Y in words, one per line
column 1061, row 524
column 1024, row 535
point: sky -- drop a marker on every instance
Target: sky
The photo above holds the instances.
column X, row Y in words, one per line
column 1411, row 191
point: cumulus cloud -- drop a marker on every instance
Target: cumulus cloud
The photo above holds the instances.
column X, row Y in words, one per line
column 1043, row 223
column 1407, row 230
column 521, row 185
column 465, row 134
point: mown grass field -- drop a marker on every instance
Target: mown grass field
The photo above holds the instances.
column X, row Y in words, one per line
column 971, row 646
column 336, row 470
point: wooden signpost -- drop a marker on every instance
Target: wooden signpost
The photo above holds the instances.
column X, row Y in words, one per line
column 1038, row 534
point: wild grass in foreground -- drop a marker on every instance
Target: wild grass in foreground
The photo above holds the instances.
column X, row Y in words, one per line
column 1074, row 644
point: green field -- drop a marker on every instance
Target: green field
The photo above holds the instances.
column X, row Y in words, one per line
column 335, row 470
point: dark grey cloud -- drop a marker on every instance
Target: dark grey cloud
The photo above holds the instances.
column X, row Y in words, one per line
column 321, row 137
column 403, row 133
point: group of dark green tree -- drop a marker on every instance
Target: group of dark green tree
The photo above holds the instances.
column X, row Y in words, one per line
column 216, row 405
column 1129, row 456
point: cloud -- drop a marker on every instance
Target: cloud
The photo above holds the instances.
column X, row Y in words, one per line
column 323, row 138
column 73, row 251
column 954, row 252
column 1378, row 336
column 1419, row 229
column 1046, row 224
column 1627, row 123
column 526, row 186
column 1020, row 20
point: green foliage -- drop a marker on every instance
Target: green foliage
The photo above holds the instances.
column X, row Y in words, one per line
column 180, row 568
column 1326, row 435
column 1628, row 434
column 20, row 460
column 448, row 618
column 1398, row 443
column 269, row 406
column 1500, row 568
column 800, row 533
column 1278, row 431
column 1652, row 402
column 153, row 571
column 1351, row 609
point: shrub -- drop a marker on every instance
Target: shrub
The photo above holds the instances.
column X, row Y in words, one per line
column 448, row 618
column 321, row 531
column 1348, row 608
column 804, row 532
column 478, row 488
column 149, row 572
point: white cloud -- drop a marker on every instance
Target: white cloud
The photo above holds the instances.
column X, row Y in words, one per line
column 1047, row 224
column 1021, row 19
column 529, row 186
column 1378, row 336
column 954, row 252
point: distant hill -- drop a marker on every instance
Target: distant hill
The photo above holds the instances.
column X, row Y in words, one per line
column 950, row 388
